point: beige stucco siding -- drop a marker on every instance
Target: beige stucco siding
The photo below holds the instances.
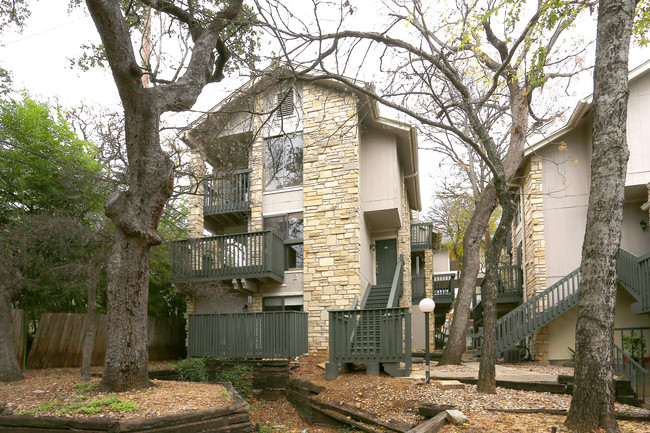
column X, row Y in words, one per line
column 565, row 181
column 381, row 191
column 561, row 331
column 281, row 202
column 635, row 239
column 638, row 133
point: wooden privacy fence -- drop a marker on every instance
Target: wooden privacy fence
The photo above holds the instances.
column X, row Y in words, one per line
column 59, row 340
column 281, row 334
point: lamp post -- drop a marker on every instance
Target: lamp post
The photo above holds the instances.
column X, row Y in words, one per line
column 426, row 306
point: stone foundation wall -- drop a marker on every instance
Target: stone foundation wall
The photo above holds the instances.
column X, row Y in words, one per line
column 332, row 245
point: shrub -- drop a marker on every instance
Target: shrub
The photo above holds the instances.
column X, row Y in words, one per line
column 240, row 375
column 192, row 370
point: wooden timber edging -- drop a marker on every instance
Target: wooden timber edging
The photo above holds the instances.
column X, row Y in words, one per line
column 625, row 416
column 315, row 411
column 551, row 387
column 226, row 419
column 270, row 377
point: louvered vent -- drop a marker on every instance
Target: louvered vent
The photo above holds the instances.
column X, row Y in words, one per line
column 286, row 101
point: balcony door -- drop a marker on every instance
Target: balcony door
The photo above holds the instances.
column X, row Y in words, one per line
column 386, row 262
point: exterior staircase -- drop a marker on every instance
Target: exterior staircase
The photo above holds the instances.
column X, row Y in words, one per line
column 541, row 309
column 377, row 334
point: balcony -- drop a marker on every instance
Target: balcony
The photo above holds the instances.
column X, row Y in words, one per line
column 443, row 288
column 258, row 256
column 422, row 237
column 226, row 200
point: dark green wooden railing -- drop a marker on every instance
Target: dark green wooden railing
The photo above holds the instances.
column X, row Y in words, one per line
column 421, row 236
column 227, row 194
column 537, row 311
column 523, row 321
column 384, row 295
column 634, row 275
column 418, row 289
column 628, row 367
column 510, row 289
column 440, row 339
column 248, row 335
column 226, row 257
column 511, row 284
column 377, row 335
column 443, row 288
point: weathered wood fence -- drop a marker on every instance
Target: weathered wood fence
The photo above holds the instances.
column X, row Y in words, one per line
column 59, row 340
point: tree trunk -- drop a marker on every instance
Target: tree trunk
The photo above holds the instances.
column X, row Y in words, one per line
column 9, row 368
column 592, row 405
column 89, row 338
column 126, row 351
column 487, row 373
column 456, row 344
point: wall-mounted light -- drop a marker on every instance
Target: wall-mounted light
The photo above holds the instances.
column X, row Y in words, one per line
column 644, row 225
column 373, row 247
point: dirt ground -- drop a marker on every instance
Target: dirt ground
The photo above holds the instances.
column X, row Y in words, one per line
column 386, row 397
column 392, row 398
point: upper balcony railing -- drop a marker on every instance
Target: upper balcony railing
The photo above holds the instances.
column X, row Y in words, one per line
column 443, row 288
column 227, row 194
column 258, row 255
column 421, row 236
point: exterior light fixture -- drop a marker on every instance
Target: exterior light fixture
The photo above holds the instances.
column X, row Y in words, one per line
column 427, row 305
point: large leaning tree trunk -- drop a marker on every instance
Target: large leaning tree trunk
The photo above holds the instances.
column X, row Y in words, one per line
column 519, row 103
column 136, row 211
column 592, row 405
column 472, row 240
column 10, row 280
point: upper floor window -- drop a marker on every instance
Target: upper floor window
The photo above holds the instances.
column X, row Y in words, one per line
column 290, row 229
column 283, row 162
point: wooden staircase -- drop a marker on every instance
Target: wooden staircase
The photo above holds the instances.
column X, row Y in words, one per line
column 541, row 309
column 377, row 334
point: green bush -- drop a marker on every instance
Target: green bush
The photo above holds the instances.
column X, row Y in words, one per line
column 192, row 370
column 635, row 344
column 240, row 375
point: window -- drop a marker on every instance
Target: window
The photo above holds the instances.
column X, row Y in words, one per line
column 282, row 303
column 283, row 162
column 290, row 229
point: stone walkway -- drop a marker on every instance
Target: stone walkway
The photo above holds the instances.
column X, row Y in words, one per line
column 503, row 373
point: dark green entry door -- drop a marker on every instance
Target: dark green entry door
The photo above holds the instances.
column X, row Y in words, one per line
column 386, row 251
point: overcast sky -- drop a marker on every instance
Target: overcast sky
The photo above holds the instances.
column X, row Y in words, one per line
column 39, row 60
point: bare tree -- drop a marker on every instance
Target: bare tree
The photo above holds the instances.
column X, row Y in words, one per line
column 472, row 75
column 592, row 405
column 136, row 211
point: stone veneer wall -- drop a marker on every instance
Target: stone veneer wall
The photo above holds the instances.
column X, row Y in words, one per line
column 404, row 247
column 535, row 257
column 195, row 222
column 332, row 244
